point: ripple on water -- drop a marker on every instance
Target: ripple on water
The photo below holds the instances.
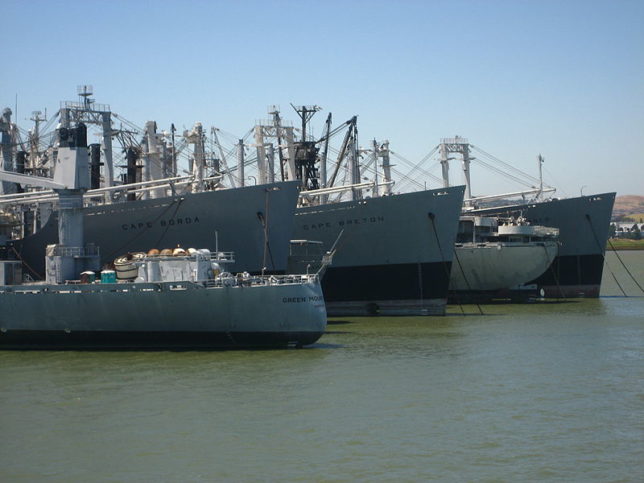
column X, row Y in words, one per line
column 538, row 392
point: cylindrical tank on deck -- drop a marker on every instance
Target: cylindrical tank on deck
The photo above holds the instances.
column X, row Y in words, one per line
column 108, row 276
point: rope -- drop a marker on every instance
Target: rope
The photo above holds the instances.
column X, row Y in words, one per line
column 602, row 251
column 26, row 264
column 555, row 275
column 467, row 282
column 415, row 167
column 432, row 217
column 118, row 250
column 267, row 243
column 606, row 264
column 623, row 265
column 615, row 278
column 178, row 204
column 506, row 165
column 503, row 173
column 458, row 262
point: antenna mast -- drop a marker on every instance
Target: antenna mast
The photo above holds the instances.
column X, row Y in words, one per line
column 540, row 160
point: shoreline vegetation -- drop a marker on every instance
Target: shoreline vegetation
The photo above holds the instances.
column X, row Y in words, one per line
column 624, row 244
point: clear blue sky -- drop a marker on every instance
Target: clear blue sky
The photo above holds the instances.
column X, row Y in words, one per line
column 517, row 78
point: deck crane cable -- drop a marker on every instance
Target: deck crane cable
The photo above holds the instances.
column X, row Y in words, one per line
column 230, row 137
column 129, row 124
column 158, row 162
column 503, row 173
column 506, row 165
column 20, row 133
column 528, row 181
column 45, row 141
column 334, row 131
column 50, row 122
column 247, row 135
column 417, row 167
column 216, row 145
column 25, row 133
column 228, row 154
column 406, row 179
column 556, row 183
column 45, row 128
column 369, row 162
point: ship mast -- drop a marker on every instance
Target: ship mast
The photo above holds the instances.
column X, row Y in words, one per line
column 240, row 162
column 460, row 146
column 264, row 132
column 306, row 152
column 34, row 138
column 222, row 157
column 325, row 152
column 383, row 152
column 196, row 137
column 152, row 169
column 7, row 147
column 540, row 160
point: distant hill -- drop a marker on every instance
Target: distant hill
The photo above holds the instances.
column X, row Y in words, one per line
column 628, row 205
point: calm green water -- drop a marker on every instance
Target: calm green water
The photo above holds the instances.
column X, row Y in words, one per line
column 538, row 392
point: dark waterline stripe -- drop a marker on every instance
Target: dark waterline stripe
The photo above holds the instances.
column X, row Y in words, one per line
column 106, row 340
column 409, row 281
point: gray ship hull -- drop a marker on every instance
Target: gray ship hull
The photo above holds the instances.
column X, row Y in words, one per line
column 487, row 271
column 394, row 255
column 583, row 224
column 188, row 220
column 168, row 315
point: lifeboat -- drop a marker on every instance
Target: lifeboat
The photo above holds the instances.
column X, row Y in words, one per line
column 125, row 267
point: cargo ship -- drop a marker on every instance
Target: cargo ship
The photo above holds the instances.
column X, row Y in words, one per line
column 583, row 222
column 174, row 299
column 393, row 253
column 152, row 205
column 186, row 306
column 256, row 220
column 496, row 258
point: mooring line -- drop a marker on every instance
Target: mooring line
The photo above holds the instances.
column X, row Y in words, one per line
column 603, row 250
column 440, row 249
